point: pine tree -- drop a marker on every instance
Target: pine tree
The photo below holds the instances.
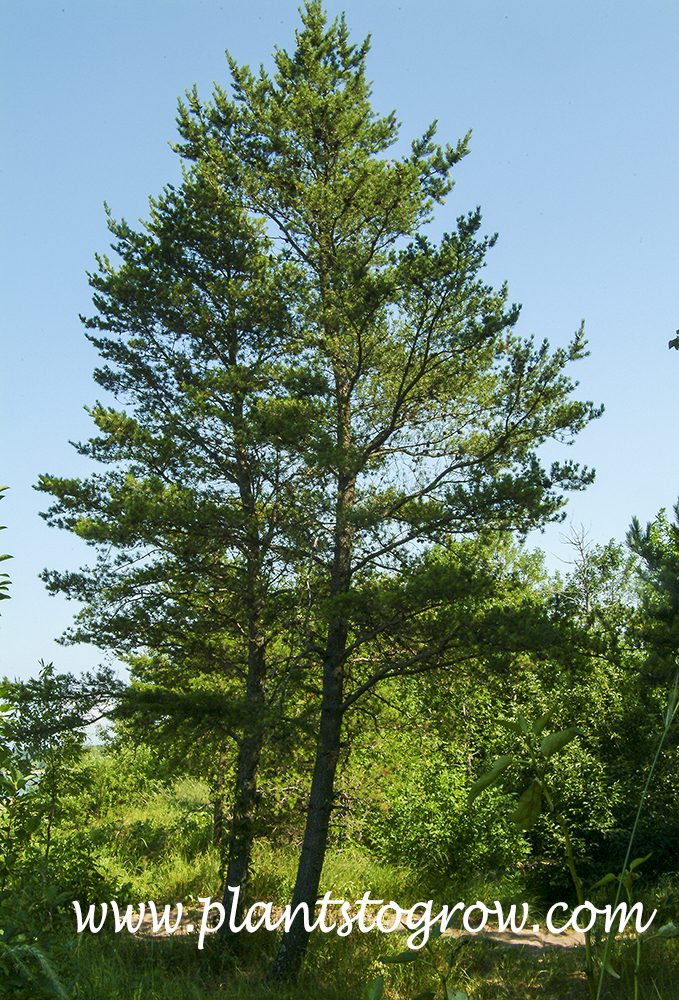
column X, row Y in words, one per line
column 407, row 410
column 432, row 408
column 189, row 521
column 658, row 549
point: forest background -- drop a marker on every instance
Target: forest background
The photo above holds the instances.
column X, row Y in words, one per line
column 505, row 632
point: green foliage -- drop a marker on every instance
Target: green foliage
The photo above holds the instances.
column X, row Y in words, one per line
column 52, row 710
column 602, row 582
column 24, row 964
column 658, row 549
column 47, row 719
column 4, row 578
column 536, row 752
column 115, row 772
column 417, row 816
column 18, row 821
column 43, row 870
column 441, row 966
column 515, row 644
column 625, row 879
column 374, row 989
column 27, row 935
column 260, row 380
column 132, row 830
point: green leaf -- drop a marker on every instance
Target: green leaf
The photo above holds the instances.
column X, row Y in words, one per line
column 452, row 994
column 605, row 880
column 668, row 931
column 540, row 723
column 639, row 861
column 557, row 741
column 511, row 727
column 31, row 823
column 374, row 989
column 401, row 959
column 611, row 970
column 526, row 814
column 490, row 777
column 523, row 724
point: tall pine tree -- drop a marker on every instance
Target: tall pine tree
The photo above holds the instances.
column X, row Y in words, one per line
column 190, row 522
column 405, row 409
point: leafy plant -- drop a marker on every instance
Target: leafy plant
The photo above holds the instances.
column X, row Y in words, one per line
column 23, row 954
column 658, row 548
column 538, row 753
column 441, row 968
column 625, row 878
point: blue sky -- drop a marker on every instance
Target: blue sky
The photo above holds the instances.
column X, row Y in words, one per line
column 574, row 161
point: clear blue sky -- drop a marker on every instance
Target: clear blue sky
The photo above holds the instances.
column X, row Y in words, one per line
column 574, row 162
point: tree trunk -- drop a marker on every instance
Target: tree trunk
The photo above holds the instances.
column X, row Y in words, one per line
column 294, row 942
column 250, row 749
column 218, row 809
column 246, row 796
column 293, row 945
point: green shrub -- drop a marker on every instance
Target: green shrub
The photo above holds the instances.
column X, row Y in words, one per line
column 418, row 815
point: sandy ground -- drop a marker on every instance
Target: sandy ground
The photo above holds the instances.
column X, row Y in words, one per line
column 534, row 939
column 532, row 935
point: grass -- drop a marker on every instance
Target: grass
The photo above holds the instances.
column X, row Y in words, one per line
column 121, row 967
column 161, row 849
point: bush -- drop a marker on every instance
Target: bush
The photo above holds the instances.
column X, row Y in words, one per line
column 418, row 816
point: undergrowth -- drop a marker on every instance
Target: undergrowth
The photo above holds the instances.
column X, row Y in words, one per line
column 160, row 847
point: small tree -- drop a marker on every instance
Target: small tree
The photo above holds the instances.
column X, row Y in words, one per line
column 24, row 962
column 657, row 547
column 48, row 720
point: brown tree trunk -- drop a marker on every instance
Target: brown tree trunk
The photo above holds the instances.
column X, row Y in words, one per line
column 294, row 942
column 250, row 749
column 218, row 809
column 246, row 796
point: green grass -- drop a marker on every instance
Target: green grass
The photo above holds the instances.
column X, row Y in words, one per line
column 120, row 967
column 128, row 968
column 160, row 848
